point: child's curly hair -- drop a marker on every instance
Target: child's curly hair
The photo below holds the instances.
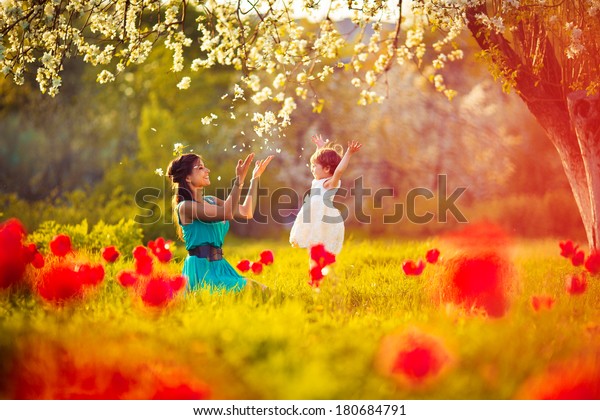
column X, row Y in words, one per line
column 329, row 156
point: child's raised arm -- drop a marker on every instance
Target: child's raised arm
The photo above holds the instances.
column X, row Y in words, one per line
column 353, row 147
column 318, row 141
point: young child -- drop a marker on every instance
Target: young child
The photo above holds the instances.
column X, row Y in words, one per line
column 318, row 221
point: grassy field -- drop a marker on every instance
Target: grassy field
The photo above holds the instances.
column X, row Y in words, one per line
column 296, row 342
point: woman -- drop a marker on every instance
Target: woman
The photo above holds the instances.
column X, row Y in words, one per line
column 203, row 221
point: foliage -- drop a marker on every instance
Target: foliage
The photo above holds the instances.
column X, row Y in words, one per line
column 125, row 235
column 282, row 58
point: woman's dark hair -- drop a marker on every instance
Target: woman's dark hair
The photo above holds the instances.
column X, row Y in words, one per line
column 328, row 156
column 177, row 171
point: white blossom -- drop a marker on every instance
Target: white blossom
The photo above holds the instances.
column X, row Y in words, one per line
column 184, row 83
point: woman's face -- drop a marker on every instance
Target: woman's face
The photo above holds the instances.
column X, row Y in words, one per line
column 200, row 175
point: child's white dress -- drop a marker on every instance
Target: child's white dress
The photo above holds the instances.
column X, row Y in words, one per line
column 318, row 221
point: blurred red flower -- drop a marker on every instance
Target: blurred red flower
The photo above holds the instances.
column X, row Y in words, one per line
column 478, row 280
column 177, row 283
column 60, row 283
column 577, row 258
column 60, row 245
column 38, row 260
column 567, row 248
column 432, row 256
column 90, row 274
column 576, row 379
column 143, row 264
column 13, row 255
column 140, row 251
column 49, row 370
column 257, row 267
column 33, row 256
column 576, row 284
column 157, row 292
column 127, row 278
column 110, row 254
column 321, row 256
column 316, row 276
column 411, row 269
column 413, row 357
column 243, row 266
column 160, row 248
column 266, row 257
column 592, row 263
column 14, row 227
column 181, row 392
column 542, row 302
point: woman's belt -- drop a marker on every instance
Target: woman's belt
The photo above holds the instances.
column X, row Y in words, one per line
column 211, row 253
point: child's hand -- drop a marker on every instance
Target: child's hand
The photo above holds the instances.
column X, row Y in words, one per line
column 318, row 140
column 353, row 146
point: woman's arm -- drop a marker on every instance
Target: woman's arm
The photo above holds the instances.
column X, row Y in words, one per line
column 353, row 147
column 218, row 212
column 207, row 212
column 246, row 210
column 231, row 203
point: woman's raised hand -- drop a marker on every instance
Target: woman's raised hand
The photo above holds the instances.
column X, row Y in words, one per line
column 260, row 166
column 242, row 167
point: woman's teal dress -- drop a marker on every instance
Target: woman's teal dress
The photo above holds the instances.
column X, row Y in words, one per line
column 200, row 272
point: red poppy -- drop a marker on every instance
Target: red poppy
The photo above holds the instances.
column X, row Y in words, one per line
column 243, row 266
column 592, row 263
column 177, row 283
column 539, row 303
column 576, row 285
column 160, row 248
column 567, row 248
column 14, row 227
column 432, row 256
column 60, row 283
column 60, row 245
column 13, row 255
column 90, row 274
column 578, row 258
column 158, row 292
column 181, row 392
column 257, row 267
column 87, row 373
column 321, row 256
column 413, row 357
column 266, row 257
column 143, row 264
column 140, row 251
column 478, row 281
column 38, row 260
column 164, row 255
column 316, row 276
column 30, row 251
column 576, row 379
column 411, row 269
column 110, row 254
column 127, row 278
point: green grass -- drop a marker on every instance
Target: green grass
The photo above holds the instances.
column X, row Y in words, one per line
column 297, row 343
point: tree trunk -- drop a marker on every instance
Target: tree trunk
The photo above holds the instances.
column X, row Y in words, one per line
column 556, row 121
column 572, row 124
column 585, row 114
